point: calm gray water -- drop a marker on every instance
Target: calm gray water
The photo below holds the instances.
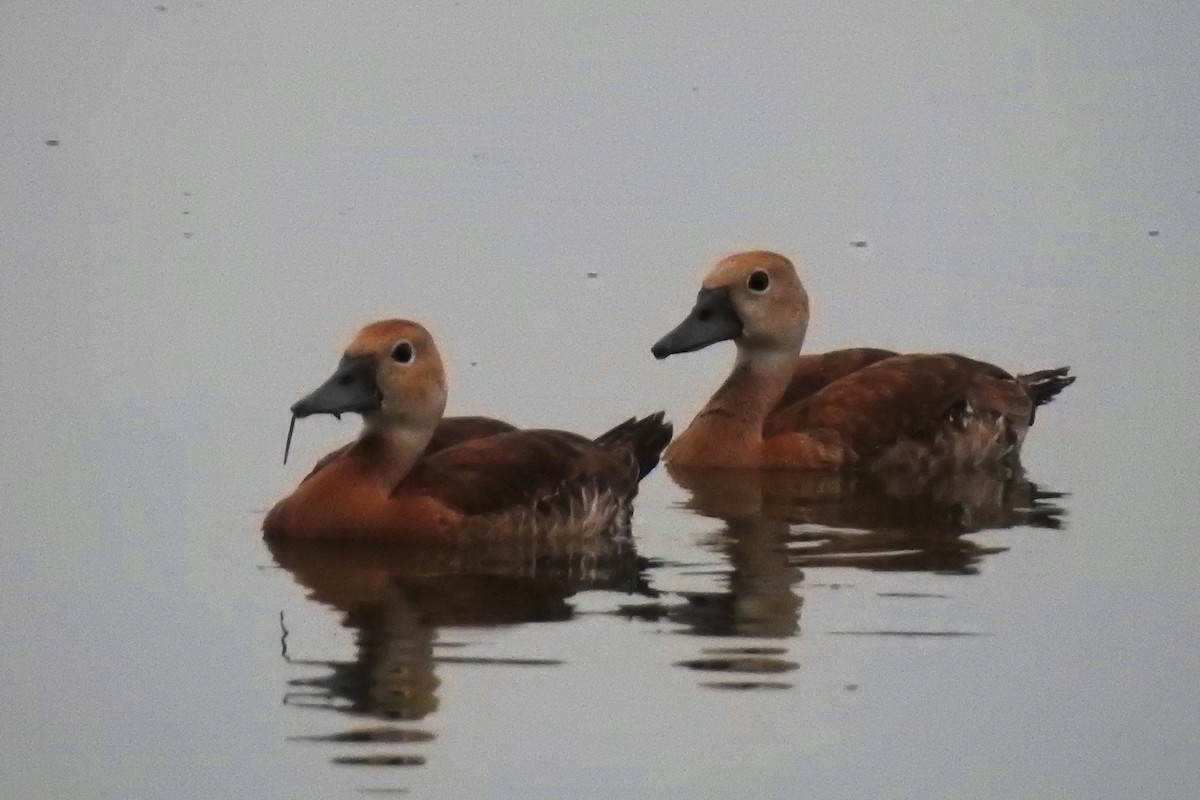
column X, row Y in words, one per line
column 202, row 200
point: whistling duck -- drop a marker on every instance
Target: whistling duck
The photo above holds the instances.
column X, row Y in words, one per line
column 848, row 409
column 410, row 475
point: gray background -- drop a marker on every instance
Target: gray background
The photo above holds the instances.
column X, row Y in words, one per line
column 237, row 186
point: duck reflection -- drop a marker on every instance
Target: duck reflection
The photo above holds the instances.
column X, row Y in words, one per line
column 399, row 600
column 759, row 601
column 878, row 522
column 777, row 523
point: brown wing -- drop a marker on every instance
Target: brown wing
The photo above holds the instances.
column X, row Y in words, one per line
column 814, row 372
column 450, row 431
column 456, row 430
column 903, row 397
column 518, row 469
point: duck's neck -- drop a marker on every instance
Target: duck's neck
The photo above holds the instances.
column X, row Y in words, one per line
column 387, row 451
column 728, row 430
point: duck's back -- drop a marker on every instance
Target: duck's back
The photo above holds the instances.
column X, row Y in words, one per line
column 513, row 470
column 816, row 371
column 538, row 470
column 922, row 407
column 456, row 430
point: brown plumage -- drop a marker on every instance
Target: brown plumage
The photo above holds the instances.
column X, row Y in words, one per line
column 847, row 409
column 412, row 475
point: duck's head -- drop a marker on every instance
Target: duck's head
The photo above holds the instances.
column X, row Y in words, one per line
column 755, row 298
column 391, row 374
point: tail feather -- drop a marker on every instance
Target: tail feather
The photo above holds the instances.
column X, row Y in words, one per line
column 1044, row 385
column 645, row 438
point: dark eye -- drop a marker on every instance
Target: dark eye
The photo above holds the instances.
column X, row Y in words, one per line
column 402, row 353
column 759, row 281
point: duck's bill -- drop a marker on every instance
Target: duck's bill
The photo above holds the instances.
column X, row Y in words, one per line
column 351, row 389
column 713, row 319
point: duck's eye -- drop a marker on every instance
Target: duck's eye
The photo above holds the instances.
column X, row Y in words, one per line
column 759, row 281
column 402, row 353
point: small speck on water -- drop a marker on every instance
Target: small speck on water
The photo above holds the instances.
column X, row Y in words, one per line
column 187, row 194
column 1153, row 233
column 160, row 8
column 593, row 274
column 188, row 235
column 695, row 88
column 53, row 143
column 851, row 687
column 474, row 363
column 858, row 243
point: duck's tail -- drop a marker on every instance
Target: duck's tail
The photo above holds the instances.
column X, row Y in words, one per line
column 645, row 438
column 1045, row 384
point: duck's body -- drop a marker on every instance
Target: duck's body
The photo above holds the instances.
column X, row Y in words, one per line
column 847, row 409
column 411, row 475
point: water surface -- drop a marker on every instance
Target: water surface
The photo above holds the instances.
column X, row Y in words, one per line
column 202, row 200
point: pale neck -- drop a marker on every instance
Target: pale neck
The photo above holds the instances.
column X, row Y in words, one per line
column 728, row 430
column 388, row 449
column 756, row 384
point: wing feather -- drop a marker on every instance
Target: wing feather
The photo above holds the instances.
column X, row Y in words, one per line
column 815, row 372
column 903, row 397
column 519, row 469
